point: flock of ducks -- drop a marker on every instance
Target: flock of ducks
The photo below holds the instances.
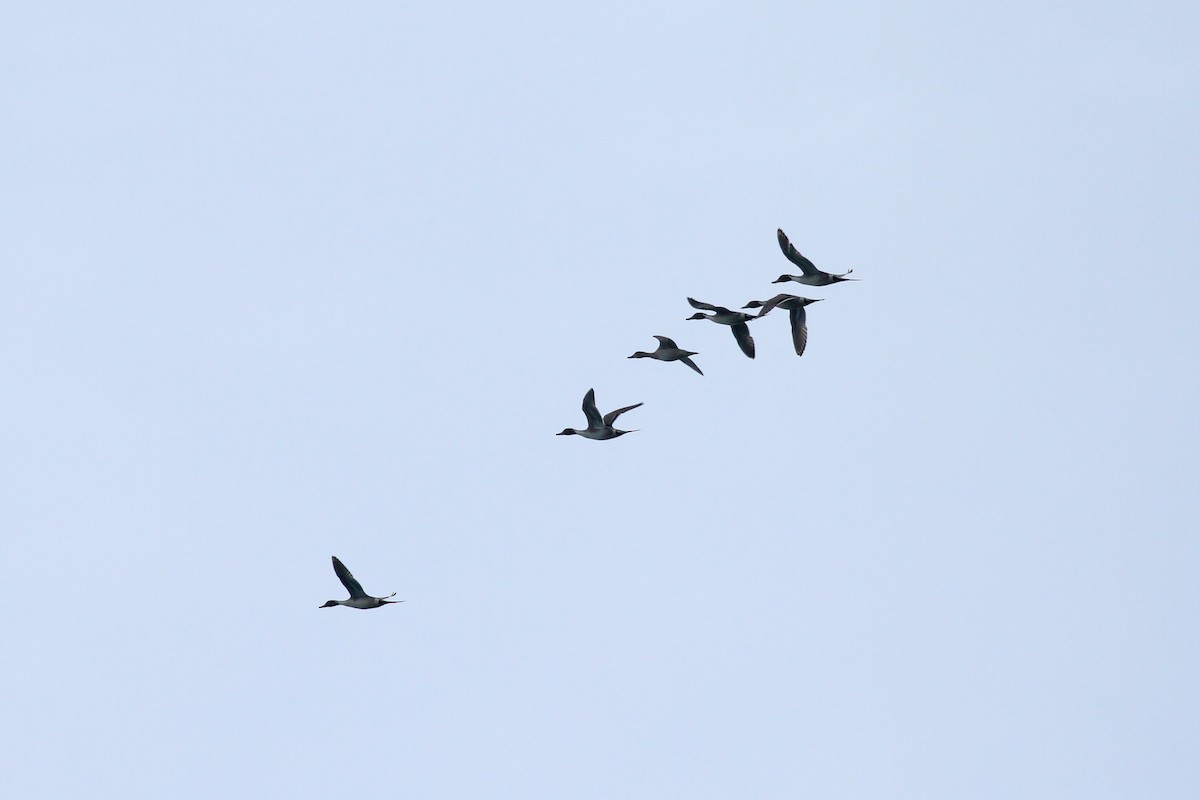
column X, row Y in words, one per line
column 602, row 427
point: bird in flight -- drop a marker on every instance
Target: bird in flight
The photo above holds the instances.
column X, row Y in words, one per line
column 598, row 427
column 669, row 351
column 358, row 598
column 812, row 276
column 734, row 319
column 796, row 315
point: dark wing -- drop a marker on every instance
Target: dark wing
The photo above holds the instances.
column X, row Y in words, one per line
column 611, row 416
column 590, row 411
column 793, row 255
column 701, row 306
column 687, row 360
column 741, row 332
column 768, row 305
column 663, row 341
column 352, row 585
column 799, row 329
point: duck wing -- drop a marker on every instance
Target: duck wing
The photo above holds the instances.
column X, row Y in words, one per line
column 611, row 416
column 665, row 343
column 793, row 255
column 702, row 306
column 348, row 580
column 741, row 332
column 768, row 305
column 687, row 360
column 799, row 322
column 590, row 411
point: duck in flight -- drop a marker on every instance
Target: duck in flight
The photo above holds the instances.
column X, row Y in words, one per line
column 812, row 276
column 598, row 427
column 796, row 315
column 358, row 598
column 669, row 351
column 734, row 319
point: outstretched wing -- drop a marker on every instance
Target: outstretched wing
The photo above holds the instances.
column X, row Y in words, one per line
column 663, row 341
column 793, row 255
column 768, row 305
column 700, row 305
column 611, row 416
column 741, row 332
column 349, row 581
column 799, row 329
column 687, row 360
column 590, row 411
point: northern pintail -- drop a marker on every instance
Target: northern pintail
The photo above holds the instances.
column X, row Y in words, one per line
column 812, row 276
column 669, row 351
column 795, row 306
column 598, row 427
column 735, row 319
column 358, row 598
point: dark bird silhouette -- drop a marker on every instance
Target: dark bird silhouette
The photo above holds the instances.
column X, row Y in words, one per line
column 669, row 351
column 598, row 427
column 734, row 319
column 796, row 315
column 358, row 598
column 812, row 276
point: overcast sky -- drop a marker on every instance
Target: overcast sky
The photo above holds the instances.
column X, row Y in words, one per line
column 283, row 281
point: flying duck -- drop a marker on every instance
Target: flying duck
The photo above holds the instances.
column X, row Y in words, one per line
column 358, row 598
column 795, row 306
column 669, row 351
column 812, row 276
column 598, row 427
column 735, row 319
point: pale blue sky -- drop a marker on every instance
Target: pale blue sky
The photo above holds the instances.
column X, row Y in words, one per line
column 290, row 280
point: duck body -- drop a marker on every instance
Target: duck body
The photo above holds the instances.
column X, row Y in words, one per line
column 359, row 602
column 598, row 435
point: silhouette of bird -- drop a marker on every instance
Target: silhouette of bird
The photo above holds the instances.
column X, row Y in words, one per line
column 598, row 427
column 812, row 276
column 734, row 319
column 358, row 598
column 669, row 351
column 796, row 315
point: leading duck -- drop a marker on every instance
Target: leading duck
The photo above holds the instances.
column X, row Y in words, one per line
column 358, row 598
column 812, row 276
